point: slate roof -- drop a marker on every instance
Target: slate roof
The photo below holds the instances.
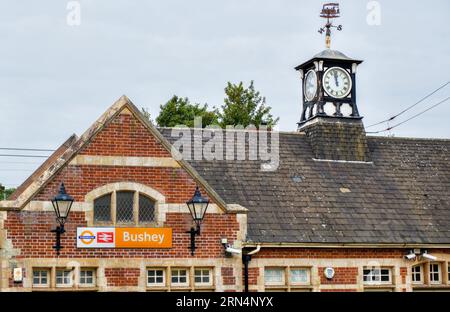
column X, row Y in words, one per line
column 329, row 54
column 401, row 197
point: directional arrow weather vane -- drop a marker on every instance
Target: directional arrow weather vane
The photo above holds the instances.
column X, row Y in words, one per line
column 329, row 11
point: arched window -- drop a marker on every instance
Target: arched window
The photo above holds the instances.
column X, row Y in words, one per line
column 102, row 208
column 124, row 207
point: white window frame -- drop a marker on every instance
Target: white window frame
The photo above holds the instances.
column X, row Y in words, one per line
column 70, row 276
column 179, row 284
column 48, row 272
column 202, row 275
column 308, row 276
column 448, row 273
column 413, row 274
column 275, row 283
column 377, row 282
column 94, row 277
column 156, row 284
column 432, row 272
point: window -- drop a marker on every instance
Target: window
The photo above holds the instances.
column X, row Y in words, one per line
column 63, row 278
column 417, row 274
column 102, row 209
column 299, row 276
column 435, row 273
column 274, row 276
column 41, row 277
column 156, row 277
column 124, row 207
column 202, row 277
column 129, row 207
column 87, row 277
column 146, row 209
column 377, row 276
column 179, row 277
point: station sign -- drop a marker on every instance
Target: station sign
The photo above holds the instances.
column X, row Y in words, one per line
column 110, row 237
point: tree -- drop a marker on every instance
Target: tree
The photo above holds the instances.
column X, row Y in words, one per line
column 245, row 106
column 179, row 111
column 5, row 192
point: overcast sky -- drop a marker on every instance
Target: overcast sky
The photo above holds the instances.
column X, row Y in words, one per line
column 57, row 79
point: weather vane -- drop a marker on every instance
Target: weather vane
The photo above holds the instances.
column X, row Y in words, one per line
column 329, row 11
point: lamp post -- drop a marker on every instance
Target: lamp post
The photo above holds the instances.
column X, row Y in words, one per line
column 197, row 207
column 61, row 204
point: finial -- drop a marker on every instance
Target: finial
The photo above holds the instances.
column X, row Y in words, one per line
column 329, row 11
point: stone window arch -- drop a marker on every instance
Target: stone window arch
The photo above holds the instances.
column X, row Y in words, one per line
column 125, row 204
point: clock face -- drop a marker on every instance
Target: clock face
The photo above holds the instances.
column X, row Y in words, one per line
column 310, row 85
column 337, row 82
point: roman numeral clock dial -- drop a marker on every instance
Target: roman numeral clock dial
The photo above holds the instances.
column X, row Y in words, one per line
column 337, row 82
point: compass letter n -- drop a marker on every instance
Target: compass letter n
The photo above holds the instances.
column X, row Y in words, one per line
column 374, row 15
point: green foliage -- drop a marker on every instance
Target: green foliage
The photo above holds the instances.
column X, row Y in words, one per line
column 5, row 192
column 179, row 111
column 242, row 106
column 245, row 106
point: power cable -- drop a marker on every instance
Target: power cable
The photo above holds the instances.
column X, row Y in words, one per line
column 411, row 118
column 26, row 156
column 25, row 149
column 410, row 107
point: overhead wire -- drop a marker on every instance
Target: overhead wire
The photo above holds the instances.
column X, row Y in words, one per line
column 411, row 118
column 410, row 107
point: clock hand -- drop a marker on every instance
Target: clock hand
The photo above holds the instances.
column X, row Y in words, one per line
column 336, row 79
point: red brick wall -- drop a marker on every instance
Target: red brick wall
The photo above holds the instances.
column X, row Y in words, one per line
column 30, row 232
column 253, row 274
column 403, row 273
column 122, row 276
column 228, row 276
column 125, row 136
column 341, row 276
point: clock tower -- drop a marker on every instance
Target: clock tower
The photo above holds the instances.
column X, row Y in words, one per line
column 329, row 86
column 330, row 116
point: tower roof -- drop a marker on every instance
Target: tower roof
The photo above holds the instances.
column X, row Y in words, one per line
column 329, row 54
column 332, row 54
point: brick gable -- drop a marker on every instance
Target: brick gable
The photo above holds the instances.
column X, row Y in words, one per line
column 125, row 135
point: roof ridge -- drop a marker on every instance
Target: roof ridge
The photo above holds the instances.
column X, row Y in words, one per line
column 407, row 138
column 230, row 130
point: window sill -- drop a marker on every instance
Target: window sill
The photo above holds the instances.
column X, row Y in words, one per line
column 301, row 285
column 276, row 289
column 157, row 288
column 433, row 286
column 275, row 286
column 378, row 286
column 204, row 288
column 64, row 289
column 181, row 288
